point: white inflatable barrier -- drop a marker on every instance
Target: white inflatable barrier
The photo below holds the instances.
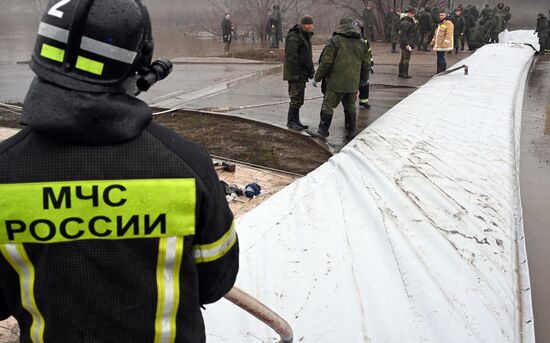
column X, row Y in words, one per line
column 412, row 233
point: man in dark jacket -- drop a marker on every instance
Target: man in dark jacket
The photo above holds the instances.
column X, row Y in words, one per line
column 406, row 39
column 425, row 28
column 344, row 62
column 543, row 31
column 112, row 228
column 435, row 22
column 387, row 25
column 470, row 25
column 475, row 13
column 396, row 20
column 275, row 23
column 227, row 33
column 485, row 12
column 459, row 27
column 298, row 68
column 369, row 22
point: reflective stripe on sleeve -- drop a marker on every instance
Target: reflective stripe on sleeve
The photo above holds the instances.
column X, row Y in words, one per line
column 213, row 251
column 168, row 288
column 17, row 257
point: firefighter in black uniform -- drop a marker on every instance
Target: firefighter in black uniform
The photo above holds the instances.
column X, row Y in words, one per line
column 112, row 228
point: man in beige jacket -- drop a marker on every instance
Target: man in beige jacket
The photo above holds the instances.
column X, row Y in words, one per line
column 443, row 40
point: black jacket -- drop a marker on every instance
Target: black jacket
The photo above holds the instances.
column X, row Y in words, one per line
column 226, row 30
column 123, row 223
column 407, row 32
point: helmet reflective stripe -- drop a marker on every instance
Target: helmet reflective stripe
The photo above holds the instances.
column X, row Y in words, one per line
column 89, row 65
column 82, row 63
column 108, row 50
column 52, row 53
column 88, row 44
column 53, row 32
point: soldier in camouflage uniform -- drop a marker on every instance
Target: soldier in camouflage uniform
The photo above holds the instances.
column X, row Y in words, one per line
column 298, row 68
column 507, row 17
column 425, row 28
column 344, row 62
column 368, row 23
column 406, row 41
column 459, row 27
column 396, row 20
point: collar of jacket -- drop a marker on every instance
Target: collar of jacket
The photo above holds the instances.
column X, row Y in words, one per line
column 81, row 117
column 444, row 20
column 406, row 17
column 298, row 28
column 348, row 30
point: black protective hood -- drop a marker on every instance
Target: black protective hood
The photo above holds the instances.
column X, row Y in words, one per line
column 81, row 117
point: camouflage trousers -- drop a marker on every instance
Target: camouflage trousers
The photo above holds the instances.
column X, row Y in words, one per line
column 405, row 56
column 332, row 100
column 296, row 91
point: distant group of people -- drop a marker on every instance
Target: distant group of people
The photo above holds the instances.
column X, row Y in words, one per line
column 471, row 27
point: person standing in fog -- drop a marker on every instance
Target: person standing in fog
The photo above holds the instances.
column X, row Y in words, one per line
column 227, row 32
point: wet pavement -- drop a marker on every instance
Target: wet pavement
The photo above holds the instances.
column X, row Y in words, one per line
column 535, row 189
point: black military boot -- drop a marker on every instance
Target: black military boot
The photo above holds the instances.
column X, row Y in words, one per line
column 393, row 47
column 406, row 71
column 292, row 119
column 439, row 68
column 400, row 70
column 350, row 123
column 324, row 125
column 299, row 122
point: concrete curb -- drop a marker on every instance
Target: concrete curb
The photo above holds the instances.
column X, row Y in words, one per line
column 177, row 99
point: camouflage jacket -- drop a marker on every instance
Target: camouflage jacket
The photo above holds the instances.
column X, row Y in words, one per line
column 298, row 55
column 345, row 61
column 406, row 32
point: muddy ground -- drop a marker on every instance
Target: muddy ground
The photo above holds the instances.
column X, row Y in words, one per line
column 237, row 139
column 264, row 54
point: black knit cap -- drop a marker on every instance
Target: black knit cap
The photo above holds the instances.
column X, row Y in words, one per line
column 307, row 19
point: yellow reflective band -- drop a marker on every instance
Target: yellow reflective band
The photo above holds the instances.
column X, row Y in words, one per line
column 17, row 257
column 52, row 53
column 160, row 289
column 89, row 65
column 168, row 288
column 55, row 212
column 213, row 251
